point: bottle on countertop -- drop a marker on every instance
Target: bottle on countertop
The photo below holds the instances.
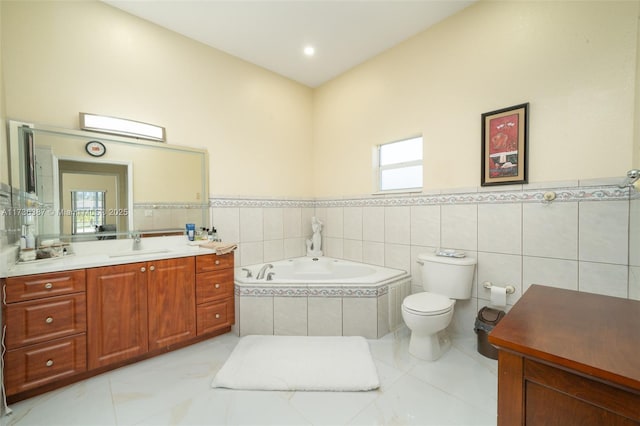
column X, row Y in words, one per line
column 191, row 231
column 23, row 239
column 30, row 239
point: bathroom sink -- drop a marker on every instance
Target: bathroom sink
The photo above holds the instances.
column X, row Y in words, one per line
column 129, row 253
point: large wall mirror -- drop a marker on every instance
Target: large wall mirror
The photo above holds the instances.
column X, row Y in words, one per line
column 85, row 185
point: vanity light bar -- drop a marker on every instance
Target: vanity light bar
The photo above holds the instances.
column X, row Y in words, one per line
column 121, row 126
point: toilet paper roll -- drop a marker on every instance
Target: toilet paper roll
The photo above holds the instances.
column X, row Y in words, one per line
column 498, row 296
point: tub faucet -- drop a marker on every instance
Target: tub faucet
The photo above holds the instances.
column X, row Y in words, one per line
column 137, row 241
column 263, row 270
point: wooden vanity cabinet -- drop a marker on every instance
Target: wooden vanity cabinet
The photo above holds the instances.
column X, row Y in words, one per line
column 45, row 318
column 139, row 307
column 67, row 326
column 214, row 292
column 568, row 358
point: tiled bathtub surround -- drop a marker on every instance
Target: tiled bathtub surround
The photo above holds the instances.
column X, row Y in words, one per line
column 587, row 239
column 318, row 309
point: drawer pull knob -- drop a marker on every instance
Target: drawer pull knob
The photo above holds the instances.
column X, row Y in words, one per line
column 48, row 286
column 143, row 269
column 217, row 285
column 49, row 363
column 152, row 268
column 217, row 262
column 217, row 316
column 49, row 320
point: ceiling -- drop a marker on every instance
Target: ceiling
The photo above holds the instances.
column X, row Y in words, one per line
column 273, row 33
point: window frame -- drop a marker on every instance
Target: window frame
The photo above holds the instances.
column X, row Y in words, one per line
column 98, row 209
column 378, row 168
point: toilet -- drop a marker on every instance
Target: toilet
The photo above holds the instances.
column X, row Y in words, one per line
column 427, row 314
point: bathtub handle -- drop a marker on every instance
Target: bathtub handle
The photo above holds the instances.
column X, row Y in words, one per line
column 249, row 275
column 270, row 276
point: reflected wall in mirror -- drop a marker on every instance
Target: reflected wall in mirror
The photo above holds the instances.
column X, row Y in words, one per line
column 135, row 185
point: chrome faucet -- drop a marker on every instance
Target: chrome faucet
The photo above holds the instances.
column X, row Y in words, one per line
column 263, row 270
column 137, row 241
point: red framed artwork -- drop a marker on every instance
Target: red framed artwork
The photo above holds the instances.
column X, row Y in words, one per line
column 504, row 145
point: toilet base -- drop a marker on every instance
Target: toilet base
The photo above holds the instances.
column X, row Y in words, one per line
column 429, row 347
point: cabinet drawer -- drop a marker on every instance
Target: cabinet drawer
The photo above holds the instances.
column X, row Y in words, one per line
column 213, row 262
column 40, row 320
column 31, row 287
column 44, row 363
column 212, row 286
column 213, row 316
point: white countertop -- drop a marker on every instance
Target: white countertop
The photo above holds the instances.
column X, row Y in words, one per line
column 111, row 252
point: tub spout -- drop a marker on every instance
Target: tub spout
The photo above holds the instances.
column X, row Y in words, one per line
column 263, row 271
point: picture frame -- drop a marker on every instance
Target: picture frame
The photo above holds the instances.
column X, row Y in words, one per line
column 505, row 134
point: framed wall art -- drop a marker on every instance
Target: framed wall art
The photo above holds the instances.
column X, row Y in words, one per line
column 504, row 145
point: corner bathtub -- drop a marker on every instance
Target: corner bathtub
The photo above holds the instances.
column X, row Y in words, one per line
column 320, row 297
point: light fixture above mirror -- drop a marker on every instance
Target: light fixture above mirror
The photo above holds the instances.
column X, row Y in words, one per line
column 122, row 127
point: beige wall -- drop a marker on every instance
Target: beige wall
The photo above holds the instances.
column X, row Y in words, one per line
column 4, row 154
column 574, row 62
column 89, row 57
column 636, row 149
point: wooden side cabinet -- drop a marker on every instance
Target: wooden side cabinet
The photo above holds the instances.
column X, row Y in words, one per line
column 45, row 316
column 214, row 292
column 568, row 358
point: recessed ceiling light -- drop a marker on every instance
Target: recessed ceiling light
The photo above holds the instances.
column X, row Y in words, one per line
column 309, row 50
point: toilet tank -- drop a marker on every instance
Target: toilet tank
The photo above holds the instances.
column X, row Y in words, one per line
column 449, row 276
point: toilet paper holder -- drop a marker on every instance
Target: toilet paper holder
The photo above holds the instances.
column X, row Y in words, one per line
column 510, row 289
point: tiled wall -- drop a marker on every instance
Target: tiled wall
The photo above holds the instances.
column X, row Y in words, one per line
column 587, row 239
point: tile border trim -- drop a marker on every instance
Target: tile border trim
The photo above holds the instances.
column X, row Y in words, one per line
column 563, row 194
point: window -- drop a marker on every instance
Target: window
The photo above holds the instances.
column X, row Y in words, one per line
column 88, row 211
column 400, row 165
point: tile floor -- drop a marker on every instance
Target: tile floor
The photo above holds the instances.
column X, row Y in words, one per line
column 173, row 389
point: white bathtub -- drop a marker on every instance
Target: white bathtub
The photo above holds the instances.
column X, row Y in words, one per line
column 320, row 296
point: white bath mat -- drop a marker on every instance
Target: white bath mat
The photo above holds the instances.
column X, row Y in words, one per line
column 312, row 363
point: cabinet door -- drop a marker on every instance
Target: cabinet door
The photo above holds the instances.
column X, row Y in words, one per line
column 171, row 301
column 116, row 313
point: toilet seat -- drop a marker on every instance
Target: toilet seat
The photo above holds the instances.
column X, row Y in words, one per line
column 427, row 304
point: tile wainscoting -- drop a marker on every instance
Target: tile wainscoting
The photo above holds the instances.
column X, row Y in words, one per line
column 320, row 310
column 587, row 239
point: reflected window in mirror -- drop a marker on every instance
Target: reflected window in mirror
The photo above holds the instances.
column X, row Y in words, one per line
column 87, row 211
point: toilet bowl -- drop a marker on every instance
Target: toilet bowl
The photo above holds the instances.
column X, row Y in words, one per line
column 427, row 314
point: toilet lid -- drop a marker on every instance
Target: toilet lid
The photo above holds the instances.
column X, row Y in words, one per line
column 427, row 303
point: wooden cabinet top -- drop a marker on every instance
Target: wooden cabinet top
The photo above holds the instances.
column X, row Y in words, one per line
column 597, row 336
